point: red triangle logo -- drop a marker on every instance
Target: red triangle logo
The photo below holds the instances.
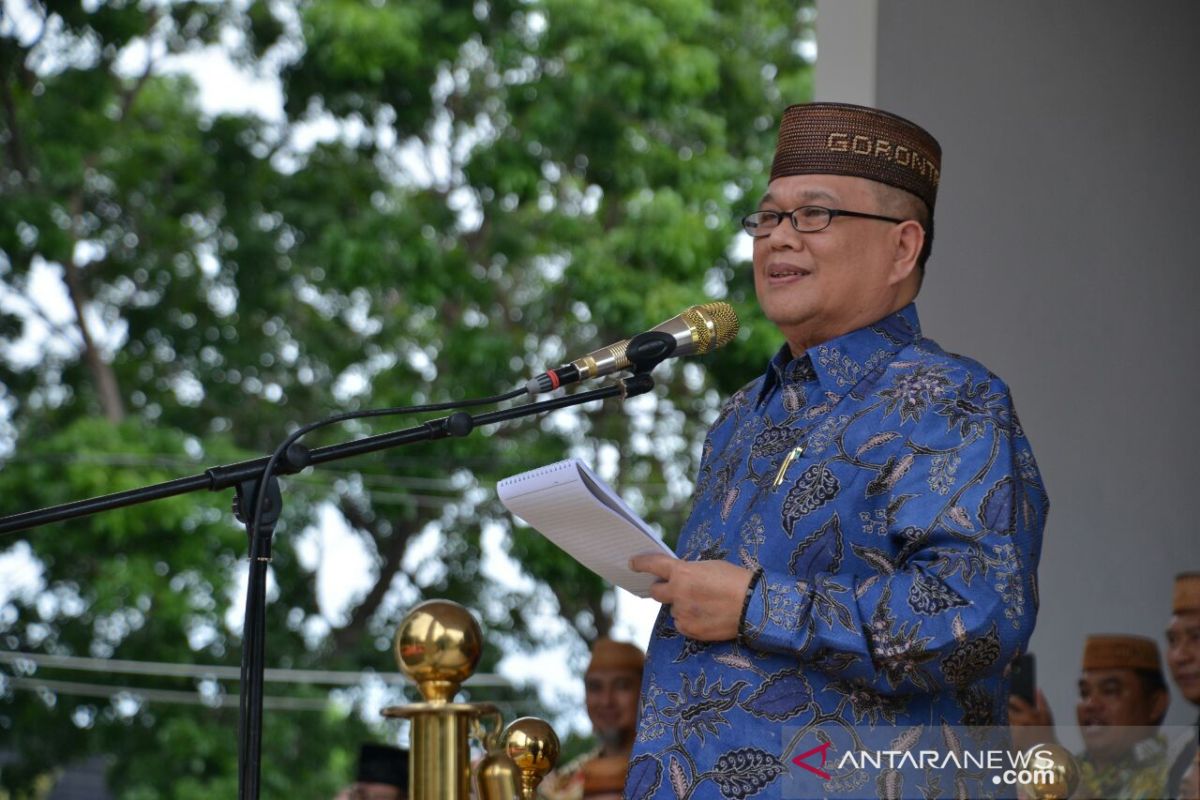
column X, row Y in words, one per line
column 800, row 760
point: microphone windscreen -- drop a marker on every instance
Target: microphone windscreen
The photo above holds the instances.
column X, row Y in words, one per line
column 713, row 324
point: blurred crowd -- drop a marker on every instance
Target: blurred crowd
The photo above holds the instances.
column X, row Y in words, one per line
column 1123, row 700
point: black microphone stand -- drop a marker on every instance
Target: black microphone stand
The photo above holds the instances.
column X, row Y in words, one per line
column 247, row 479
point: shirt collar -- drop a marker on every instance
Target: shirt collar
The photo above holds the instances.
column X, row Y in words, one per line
column 841, row 363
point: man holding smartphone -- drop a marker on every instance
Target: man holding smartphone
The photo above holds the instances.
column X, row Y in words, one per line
column 1122, row 702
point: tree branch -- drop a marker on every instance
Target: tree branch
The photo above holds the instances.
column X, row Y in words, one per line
column 391, row 551
column 570, row 603
column 102, row 372
column 131, row 93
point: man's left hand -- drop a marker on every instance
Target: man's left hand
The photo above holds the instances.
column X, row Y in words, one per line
column 705, row 596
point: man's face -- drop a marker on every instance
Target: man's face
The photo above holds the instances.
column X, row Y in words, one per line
column 1114, row 711
column 816, row 286
column 1183, row 653
column 612, row 702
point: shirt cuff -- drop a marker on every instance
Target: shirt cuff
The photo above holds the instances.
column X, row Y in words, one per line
column 755, row 579
column 786, row 630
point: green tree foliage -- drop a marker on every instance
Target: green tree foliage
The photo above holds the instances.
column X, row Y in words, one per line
column 510, row 183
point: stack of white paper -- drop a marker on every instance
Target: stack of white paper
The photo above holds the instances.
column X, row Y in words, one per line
column 568, row 504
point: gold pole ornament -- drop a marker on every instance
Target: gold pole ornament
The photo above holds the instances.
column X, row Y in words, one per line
column 438, row 644
column 532, row 746
column 1062, row 767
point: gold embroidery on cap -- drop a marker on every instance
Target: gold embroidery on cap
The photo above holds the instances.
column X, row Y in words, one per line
column 883, row 149
column 844, row 139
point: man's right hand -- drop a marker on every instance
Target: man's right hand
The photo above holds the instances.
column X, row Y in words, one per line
column 705, row 597
column 1031, row 723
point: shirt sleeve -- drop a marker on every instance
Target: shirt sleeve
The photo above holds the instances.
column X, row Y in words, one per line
column 937, row 585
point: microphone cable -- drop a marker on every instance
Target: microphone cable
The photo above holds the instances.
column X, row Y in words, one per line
column 252, row 684
column 364, row 414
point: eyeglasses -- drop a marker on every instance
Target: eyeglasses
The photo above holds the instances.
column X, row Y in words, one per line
column 806, row 219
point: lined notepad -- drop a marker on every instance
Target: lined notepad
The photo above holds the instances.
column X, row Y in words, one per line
column 568, row 504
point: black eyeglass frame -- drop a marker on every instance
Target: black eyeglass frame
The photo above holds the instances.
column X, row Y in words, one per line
column 791, row 215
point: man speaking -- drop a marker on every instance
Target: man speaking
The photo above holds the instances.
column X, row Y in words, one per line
column 867, row 521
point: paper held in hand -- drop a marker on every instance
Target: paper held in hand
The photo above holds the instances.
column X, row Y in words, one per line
column 568, row 504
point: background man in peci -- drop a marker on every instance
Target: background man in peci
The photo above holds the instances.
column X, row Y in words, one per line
column 1122, row 702
column 867, row 521
column 610, row 685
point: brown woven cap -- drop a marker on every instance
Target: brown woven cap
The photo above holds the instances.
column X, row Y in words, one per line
column 609, row 654
column 1121, row 652
column 843, row 139
column 1186, row 596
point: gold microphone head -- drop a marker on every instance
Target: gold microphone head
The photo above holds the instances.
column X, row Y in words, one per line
column 698, row 330
column 713, row 325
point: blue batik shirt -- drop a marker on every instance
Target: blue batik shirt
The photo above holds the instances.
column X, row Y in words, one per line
column 885, row 492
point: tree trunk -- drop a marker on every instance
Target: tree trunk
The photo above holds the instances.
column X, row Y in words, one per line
column 103, row 376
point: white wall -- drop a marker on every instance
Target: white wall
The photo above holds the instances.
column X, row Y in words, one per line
column 1067, row 259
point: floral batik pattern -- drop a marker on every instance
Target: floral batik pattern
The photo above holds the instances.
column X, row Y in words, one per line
column 886, row 490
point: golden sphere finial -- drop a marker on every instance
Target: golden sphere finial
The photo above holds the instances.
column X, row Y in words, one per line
column 533, row 747
column 438, row 644
column 1057, row 760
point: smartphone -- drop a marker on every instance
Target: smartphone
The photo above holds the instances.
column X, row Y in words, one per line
column 1023, row 678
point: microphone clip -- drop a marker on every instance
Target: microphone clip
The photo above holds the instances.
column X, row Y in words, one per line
column 647, row 350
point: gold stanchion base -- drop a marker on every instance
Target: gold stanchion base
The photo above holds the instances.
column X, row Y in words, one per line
column 439, row 758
